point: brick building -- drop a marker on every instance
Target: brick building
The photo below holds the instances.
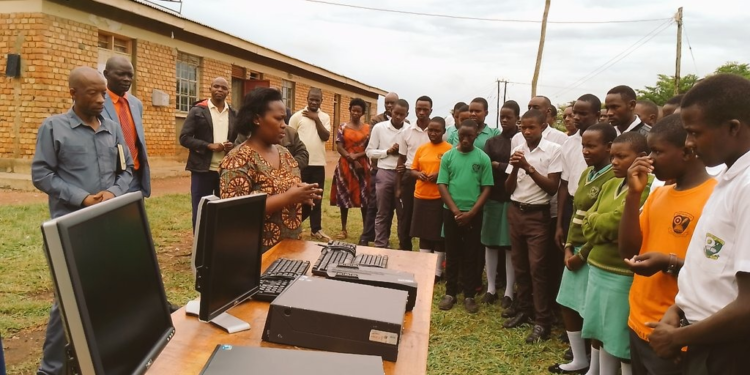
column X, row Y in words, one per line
column 175, row 60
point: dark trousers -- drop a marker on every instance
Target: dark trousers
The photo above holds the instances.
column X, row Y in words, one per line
column 555, row 265
column 645, row 361
column 53, row 358
column 386, row 187
column 368, row 231
column 314, row 174
column 732, row 358
column 201, row 185
column 461, row 247
column 530, row 237
column 2, row 358
column 405, row 210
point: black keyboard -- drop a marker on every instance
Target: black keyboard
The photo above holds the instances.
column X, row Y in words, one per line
column 371, row 260
column 331, row 256
column 278, row 276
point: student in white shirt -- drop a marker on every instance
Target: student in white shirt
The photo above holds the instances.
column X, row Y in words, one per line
column 384, row 147
column 711, row 314
column 314, row 128
column 533, row 176
column 586, row 111
column 412, row 136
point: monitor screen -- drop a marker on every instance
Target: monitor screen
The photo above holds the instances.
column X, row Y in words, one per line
column 230, row 272
column 116, row 283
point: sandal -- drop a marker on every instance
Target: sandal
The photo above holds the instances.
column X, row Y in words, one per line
column 342, row 235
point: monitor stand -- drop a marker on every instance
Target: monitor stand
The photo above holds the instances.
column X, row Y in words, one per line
column 230, row 323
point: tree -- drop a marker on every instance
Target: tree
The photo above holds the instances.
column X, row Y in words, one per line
column 733, row 67
column 664, row 88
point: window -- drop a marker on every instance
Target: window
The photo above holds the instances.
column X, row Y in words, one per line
column 368, row 115
column 287, row 93
column 115, row 43
column 187, row 81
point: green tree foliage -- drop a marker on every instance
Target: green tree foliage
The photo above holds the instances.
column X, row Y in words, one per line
column 733, row 67
column 664, row 88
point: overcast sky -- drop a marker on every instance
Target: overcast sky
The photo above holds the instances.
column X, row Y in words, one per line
column 456, row 60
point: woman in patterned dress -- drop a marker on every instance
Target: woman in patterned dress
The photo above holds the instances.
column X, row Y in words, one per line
column 351, row 180
column 260, row 165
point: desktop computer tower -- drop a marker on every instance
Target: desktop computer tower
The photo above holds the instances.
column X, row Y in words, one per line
column 338, row 316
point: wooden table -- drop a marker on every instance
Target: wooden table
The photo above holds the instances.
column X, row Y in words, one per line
column 194, row 341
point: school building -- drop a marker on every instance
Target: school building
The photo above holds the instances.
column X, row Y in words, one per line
column 175, row 60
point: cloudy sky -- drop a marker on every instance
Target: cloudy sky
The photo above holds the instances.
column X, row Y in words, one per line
column 456, row 60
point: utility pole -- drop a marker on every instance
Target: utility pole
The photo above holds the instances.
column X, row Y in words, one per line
column 678, row 18
column 541, row 49
column 505, row 91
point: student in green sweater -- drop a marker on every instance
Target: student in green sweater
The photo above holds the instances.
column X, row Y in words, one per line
column 597, row 143
column 605, row 317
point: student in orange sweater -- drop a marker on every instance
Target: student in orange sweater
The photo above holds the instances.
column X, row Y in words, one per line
column 654, row 244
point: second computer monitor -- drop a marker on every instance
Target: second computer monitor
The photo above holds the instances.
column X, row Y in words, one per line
column 228, row 258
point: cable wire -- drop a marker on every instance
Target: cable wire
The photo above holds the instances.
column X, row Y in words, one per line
column 477, row 18
column 617, row 58
column 690, row 48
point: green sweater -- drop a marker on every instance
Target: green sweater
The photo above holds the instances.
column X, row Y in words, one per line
column 585, row 197
column 602, row 224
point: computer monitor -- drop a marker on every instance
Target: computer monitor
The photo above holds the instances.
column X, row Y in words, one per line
column 228, row 254
column 108, row 286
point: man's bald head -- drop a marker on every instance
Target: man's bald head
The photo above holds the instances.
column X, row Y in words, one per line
column 219, row 90
column 87, row 87
column 390, row 100
column 118, row 62
column 119, row 74
column 83, row 76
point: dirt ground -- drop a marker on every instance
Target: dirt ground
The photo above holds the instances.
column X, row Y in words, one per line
column 162, row 186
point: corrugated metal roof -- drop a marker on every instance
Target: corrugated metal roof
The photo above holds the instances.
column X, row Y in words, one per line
column 178, row 15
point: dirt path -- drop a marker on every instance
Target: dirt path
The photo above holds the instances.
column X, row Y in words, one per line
column 162, row 186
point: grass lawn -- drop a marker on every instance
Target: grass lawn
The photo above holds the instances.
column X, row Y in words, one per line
column 459, row 343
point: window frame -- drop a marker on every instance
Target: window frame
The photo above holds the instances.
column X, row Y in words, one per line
column 183, row 64
column 288, row 89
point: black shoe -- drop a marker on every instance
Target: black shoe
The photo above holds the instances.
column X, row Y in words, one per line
column 555, row 369
column 538, row 333
column 506, row 303
column 489, row 298
column 447, row 303
column 568, row 356
column 363, row 243
column 471, row 306
column 510, row 311
column 520, row 319
column 564, row 338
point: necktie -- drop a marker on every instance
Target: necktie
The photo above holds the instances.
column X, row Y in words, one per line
column 128, row 129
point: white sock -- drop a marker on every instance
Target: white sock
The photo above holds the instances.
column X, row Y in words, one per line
column 608, row 364
column 594, row 366
column 510, row 275
column 626, row 368
column 491, row 258
column 439, row 266
column 578, row 346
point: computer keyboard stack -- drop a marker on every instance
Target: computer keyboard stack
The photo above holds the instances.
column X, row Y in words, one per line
column 278, row 276
column 337, row 252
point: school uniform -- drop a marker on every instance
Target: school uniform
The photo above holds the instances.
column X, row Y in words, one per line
column 708, row 281
column 667, row 222
column 427, row 220
column 572, row 293
column 605, row 315
column 412, row 136
column 529, row 217
column 464, row 173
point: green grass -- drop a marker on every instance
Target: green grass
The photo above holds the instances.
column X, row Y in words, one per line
column 460, row 343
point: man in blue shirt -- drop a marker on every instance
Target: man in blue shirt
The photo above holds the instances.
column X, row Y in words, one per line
column 76, row 166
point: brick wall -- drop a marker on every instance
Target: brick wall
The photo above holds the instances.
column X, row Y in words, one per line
column 155, row 67
column 211, row 69
column 49, row 47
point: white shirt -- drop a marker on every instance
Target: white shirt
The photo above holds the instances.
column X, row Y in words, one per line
column 715, row 171
column 308, row 133
column 220, row 121
column 630, row 127
column 382, row 137
column 573, row 162
column 551, row 134
column 412, row 136
column 546, row 160
column 720, row 247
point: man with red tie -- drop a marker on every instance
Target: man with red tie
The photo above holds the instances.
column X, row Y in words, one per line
column 127, row 111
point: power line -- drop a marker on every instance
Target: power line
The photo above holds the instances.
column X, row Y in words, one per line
column 617, row 58
column 477, row 18
column 690, row 48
